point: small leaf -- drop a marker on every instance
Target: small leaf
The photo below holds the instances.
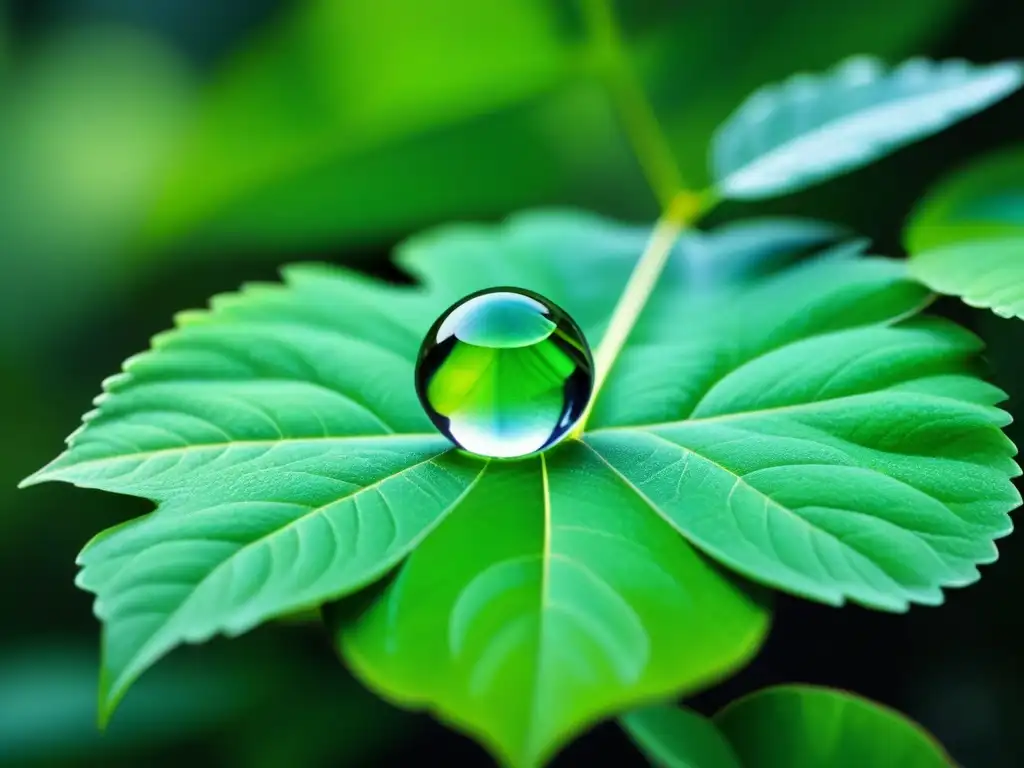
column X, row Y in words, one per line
column 967, row 238
column 981, row 202
column 792, row 135
column 796, row 726
column 674, row 737
column 796, row 423
column 984, row 273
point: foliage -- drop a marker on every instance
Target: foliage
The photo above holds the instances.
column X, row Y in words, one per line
column 287, row 477
column 989, row 273
column 795, row 421
column 967, row 238
column 785, row 727
column 790, row 136
column 676, row 737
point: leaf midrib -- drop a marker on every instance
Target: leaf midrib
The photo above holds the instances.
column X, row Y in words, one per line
column 305, row 516
column 759, row 412
column 545, row 582
column 46, row 473
column 837, row 596
column 769, row 158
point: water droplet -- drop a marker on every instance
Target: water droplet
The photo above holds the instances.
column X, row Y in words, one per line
column 504, row 373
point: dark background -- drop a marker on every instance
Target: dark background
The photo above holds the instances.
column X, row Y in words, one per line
column 70, row 312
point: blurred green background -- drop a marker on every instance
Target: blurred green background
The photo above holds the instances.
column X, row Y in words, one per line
column 154, row 152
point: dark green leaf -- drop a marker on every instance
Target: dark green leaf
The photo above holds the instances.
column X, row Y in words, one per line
column 789, row 136
column 673, row 737
column 807, row 727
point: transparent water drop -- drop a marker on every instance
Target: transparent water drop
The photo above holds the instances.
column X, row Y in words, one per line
column 504, row 372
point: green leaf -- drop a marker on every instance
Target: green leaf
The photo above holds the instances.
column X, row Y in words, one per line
column 790, row 726
column 552, row 597
column 798, row 726
column 789, row 136
column 353, row 120
column 984, row 273
column 318, row 516
column 967, row 238
column 795, row 423
column 674, row 737
column 983, row 201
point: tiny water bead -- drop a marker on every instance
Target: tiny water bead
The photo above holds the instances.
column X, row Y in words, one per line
column 504, row 373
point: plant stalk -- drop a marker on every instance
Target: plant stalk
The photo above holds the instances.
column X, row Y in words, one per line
column 684, row 208
column 643, row 130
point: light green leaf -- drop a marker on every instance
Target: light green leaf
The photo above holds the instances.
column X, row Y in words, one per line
column 674, row 737
column 984, row 273
column 794, row 423
column 985, row 200
column 552, row 597
column 810, row 127
column 967, row 238
column 696, row 79
column 357, row 120
column 815, row 462
column 798, row 726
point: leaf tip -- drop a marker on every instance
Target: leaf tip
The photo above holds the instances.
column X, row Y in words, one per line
column 49, row 472
column 38, row 477
column 104, row 703
column 109, row 694
column 34, row 479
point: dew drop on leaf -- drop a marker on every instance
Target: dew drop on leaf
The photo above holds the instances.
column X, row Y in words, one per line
column 504, row 373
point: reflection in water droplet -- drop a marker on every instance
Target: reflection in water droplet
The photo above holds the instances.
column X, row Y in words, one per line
column 504, row 373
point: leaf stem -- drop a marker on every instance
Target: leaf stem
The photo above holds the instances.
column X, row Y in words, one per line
column 654, row 155
column 683, row 209
column 649, row 144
